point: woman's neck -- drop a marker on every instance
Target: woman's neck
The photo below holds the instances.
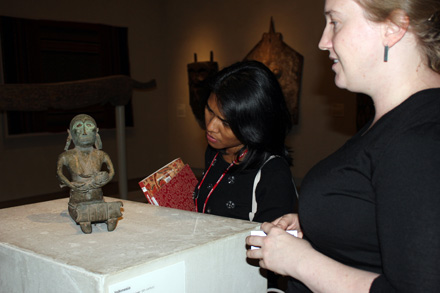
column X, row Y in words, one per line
column 394, row 95
column 230, row 154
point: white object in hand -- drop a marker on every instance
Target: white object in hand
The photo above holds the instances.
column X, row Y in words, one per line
column 261, row 233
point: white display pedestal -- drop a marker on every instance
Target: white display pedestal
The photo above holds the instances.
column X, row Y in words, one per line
column 152, row 249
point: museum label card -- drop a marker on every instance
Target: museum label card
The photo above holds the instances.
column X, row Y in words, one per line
column 158, row 281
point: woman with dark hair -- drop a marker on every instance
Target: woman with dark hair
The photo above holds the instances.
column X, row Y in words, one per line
column 247, row 165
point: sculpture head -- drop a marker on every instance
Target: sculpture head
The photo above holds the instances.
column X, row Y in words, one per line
column 84, row 132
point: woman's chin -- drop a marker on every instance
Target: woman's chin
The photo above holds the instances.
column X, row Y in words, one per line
column 340, row 83
column 213, row 145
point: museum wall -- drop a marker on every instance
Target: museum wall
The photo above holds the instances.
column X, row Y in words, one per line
column 163, row 37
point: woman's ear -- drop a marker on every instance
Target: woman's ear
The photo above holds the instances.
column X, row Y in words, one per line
column 395, row 27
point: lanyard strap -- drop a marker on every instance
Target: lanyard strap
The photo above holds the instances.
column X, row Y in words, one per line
column 218, row 181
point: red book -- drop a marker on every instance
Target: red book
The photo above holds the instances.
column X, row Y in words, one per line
column 154, row 182
column 171, row 187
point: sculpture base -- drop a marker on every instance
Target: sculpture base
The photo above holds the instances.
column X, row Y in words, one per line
column 153, row 249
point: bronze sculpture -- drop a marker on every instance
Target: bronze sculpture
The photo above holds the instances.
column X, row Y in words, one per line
column 84, row 162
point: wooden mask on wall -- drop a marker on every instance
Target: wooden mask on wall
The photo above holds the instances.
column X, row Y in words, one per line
column 199, row 74
column 284, row 62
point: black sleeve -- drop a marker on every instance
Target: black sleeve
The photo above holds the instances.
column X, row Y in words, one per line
column 275, row 193
column 407, row 182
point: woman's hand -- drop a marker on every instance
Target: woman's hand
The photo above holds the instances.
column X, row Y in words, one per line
column 289, row 222
column 279, row 251
column 292, row 256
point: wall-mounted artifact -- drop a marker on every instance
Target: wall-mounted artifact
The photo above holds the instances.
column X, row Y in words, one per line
column 40, row 51
column 115, row 90
column 199, row 74
column 284, row 62
column 84, row 163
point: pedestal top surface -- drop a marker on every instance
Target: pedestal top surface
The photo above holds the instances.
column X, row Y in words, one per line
column 144, row 233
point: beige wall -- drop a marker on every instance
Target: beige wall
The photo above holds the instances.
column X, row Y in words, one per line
column 163, row 36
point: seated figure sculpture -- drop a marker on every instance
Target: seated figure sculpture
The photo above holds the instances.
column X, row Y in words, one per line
column 84, row 162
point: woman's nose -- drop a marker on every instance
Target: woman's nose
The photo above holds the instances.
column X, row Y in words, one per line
column 212, row 124
column 325, row 41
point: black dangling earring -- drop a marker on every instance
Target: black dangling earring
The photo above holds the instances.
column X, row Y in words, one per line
column 385, row 57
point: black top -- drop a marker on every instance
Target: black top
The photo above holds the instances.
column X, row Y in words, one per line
column 375, row 203
column 275, row 193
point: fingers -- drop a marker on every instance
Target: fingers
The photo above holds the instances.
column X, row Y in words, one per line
column 266, row 227
column 256, row 241
column 282, row 222
column 288, row 222
column 275, row 222
column 254, row 253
